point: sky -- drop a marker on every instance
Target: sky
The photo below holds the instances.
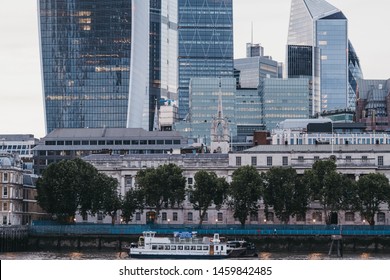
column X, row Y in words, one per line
column 21, row 102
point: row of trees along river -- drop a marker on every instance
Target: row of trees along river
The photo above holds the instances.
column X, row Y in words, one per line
column 75, row 186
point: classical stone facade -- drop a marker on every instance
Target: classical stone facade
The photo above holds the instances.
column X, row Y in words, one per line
column 352, row 160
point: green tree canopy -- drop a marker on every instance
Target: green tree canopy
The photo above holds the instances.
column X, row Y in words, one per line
column 208, row 189
column 329, row 187
column 133, row 201
column 162, row 186
column 64, row 187
column 105, row 198
column 284, row 192
column 372, row 190
column 245, row 192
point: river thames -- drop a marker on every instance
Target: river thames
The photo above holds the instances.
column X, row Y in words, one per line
column 110, row 255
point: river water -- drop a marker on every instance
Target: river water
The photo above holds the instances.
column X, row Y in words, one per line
column 110, row 255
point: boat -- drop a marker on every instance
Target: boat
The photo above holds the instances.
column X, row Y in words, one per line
column 183, row 245
column 241, row 248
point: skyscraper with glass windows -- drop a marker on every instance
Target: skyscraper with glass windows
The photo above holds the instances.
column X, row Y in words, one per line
column 318, row 48
column 205, row 30
column 94, row 62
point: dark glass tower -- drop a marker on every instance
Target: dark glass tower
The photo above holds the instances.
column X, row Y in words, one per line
column 317, row 47
column 89, row 50
column 205, row 30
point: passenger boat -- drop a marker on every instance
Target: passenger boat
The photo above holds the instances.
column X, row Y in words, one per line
column 184, row 245
column 241, row 248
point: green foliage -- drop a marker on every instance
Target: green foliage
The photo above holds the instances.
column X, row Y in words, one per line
column 64, row 187
column 208, row 189
column 75, row 185
column 162, row 186
column 372, row 190
column 245, row 191
column 132, row 202
column 105, row 198
column 333, row 190
column 284, row 192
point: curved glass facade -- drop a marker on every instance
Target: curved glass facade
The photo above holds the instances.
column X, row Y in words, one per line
column 87, row 48
column 319, row 27
column 205, row 30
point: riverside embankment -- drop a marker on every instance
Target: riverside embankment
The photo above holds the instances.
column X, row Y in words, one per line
column 271, row 238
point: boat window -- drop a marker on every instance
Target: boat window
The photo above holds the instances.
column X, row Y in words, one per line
column 154, row 247
column 216, row 248
column 167, row 247
column 161, row 247
column 193, row 247
column 199, row 248
column 186, row 247
column 180, row 247
column 221, row 248
column 173, row 247
column 206, row 248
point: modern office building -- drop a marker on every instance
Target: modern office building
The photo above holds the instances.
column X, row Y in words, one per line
column 204, row 101
column 317, row 44
column 252, row 69
column 373, row 104
column 20, row 144
column 284, row 99
column 95, row 63
column 205, row 30
column 69, row 143
column 253, row 50
column 163, row 52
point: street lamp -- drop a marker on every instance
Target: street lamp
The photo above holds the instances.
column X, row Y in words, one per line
column 314, row 221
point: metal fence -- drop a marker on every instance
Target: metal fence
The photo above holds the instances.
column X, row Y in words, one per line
column 232, row 230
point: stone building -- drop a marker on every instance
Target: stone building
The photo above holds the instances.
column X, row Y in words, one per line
column 352, row 160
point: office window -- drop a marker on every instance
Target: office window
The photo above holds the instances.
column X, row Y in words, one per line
column 301, row 159
column 128, row 181
column 138, row 216
column 270, row 216
column 348, row 159
column 269, row 161
column 5, row 191
column 349, row 217
column 190, row 181
column 206, row 217
column 364, row 159
column 189, row 216
column 285, row 161
column 174, row 216
column 164, row 216
column 238, row 161
column 380, row 160
column 254, row 161
column 100, row 216
column 380, row 217
column 220, row 217
column 5, row 177
column 254, row 217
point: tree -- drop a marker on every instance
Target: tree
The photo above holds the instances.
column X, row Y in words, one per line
column 132, row 202
column 105, row 198
column 328, row 186
column 162, row 186
column 284, row 192
column 372, row 190
column 208, row 189
column 63, row 188
column 245, row 191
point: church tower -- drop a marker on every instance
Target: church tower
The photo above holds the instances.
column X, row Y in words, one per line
column 219, row 129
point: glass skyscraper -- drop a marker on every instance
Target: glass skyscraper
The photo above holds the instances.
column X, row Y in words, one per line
column 94, row 62
column 317, row 48
column 205, row 30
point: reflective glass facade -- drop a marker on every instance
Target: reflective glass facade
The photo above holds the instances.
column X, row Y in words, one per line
column 204, row 95
column 88, row 51
column 284, row 99
column 319, row 27
column 205, row 30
